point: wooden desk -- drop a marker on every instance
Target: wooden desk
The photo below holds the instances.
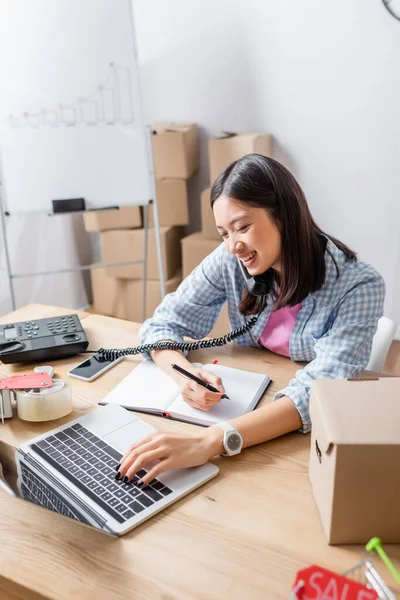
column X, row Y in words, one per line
column 242, row 535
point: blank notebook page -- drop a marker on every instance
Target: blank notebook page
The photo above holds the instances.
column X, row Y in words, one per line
column 146, row 386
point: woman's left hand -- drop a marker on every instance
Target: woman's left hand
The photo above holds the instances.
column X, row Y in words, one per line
column 171, row 451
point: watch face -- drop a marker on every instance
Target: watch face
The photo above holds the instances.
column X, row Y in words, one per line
column 234, row 442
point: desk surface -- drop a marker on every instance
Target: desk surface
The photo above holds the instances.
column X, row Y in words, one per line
column 244, row 534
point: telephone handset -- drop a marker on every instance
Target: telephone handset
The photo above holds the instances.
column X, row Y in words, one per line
column 256, row 285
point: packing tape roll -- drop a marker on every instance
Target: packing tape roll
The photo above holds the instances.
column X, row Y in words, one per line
column 45, row 404
column 6, row 398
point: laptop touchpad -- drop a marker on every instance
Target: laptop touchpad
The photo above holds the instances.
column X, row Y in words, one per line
column 126, row 435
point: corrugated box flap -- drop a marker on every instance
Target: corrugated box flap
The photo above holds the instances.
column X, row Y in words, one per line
column 322, row 436
column 171, row 127
column 225, row 135
column 356, row 411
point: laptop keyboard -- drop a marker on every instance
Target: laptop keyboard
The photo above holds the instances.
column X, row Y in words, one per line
column 37, row 491
column 90, row 464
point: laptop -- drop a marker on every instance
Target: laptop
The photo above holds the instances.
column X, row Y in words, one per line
column 71, row 470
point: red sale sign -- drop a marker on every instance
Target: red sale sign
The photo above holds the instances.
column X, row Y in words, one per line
column 316, row 583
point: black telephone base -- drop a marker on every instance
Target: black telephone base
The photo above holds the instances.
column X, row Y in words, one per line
column 44, row 354
column 42, row 339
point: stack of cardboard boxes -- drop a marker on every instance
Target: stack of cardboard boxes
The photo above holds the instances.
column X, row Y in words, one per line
column 221, row 152
column 117, row 290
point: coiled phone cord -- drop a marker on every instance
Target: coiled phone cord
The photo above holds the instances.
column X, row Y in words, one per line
column 112, row 354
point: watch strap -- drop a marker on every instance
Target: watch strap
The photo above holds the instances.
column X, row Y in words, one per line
column 225, row 426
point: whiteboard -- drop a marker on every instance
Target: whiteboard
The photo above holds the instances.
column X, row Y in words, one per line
column 71, row 123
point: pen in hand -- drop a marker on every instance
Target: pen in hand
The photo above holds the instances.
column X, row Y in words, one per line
column 201, row 382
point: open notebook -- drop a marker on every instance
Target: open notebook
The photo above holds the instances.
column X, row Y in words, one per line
column 148, row 389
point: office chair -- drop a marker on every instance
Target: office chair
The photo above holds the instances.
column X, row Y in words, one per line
column 381, row 343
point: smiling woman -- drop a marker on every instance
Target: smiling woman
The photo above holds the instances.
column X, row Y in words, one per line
column 316, row 302
column 244, row 230
column 263, row 205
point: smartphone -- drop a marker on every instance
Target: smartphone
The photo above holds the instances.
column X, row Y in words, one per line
column 93, row 367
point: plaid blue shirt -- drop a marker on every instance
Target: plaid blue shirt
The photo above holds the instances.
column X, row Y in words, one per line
column 333, row 331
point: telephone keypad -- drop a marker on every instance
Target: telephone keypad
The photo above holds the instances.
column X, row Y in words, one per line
column 59, row 325
column 63, row 325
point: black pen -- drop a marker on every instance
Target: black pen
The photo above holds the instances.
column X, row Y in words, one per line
column 188, row 375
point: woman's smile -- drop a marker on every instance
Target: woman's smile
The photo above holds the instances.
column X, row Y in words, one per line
column 248, row 259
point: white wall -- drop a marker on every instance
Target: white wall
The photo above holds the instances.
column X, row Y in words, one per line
column 38, row 243
column 322, row 77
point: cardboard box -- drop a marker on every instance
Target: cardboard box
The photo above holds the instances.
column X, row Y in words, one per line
column 175, row 149
column 122, row 298
column 208, row 229
column 355, row 457
column 195, row 247
column 172, row 203
column 106, row 292
column 231, row 146
column 124, row 245
column 222, row 326
column 126, row 217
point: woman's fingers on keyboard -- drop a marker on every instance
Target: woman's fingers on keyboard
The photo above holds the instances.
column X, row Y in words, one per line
column 165, row 451
column 160, row 467
column 136, row 450
column 144, row 440
column 141, row 461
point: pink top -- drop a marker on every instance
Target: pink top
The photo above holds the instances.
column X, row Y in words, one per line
column 276, row 334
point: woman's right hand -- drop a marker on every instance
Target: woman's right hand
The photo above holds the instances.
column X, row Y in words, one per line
column 195, row 394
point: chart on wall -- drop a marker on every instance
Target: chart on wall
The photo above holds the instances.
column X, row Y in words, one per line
column 71, row 123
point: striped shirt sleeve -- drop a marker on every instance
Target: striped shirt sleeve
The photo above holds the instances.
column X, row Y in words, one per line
column 193, row 309
column 345, row 349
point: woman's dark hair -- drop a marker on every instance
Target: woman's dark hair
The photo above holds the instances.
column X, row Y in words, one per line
column 262, row 182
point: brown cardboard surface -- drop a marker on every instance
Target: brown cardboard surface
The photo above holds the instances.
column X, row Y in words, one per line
column 175, row 149
column 354, row 458
column 172, row 203
column 222, row 326
column 195, row 247
column 119, row 246
column 208, row 229
column 125, row 217
column 223, row 150
column 345, row 422
column 106, row 291
column 122, row 298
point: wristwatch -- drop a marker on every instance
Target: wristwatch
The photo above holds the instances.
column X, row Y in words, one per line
column 232, row 441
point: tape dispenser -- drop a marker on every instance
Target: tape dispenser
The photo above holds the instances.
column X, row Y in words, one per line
column 37, row 396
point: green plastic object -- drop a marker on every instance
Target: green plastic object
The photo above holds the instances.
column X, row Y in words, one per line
column 375, row 545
